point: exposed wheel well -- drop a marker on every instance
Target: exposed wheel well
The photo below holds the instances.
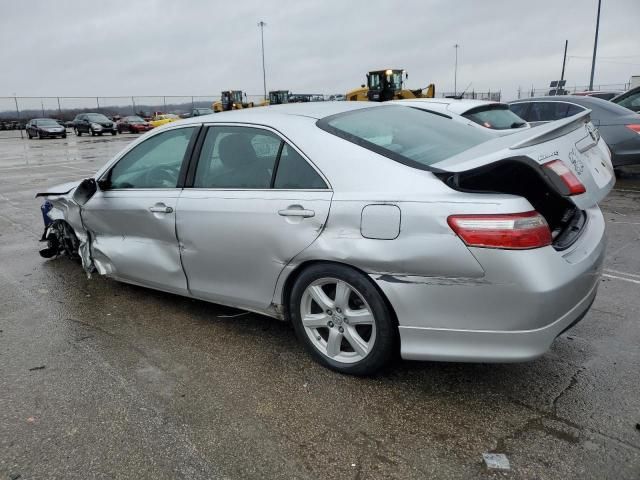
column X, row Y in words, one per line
column 288, row 286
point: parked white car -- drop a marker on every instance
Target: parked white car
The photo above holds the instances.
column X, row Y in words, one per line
column 483, row 114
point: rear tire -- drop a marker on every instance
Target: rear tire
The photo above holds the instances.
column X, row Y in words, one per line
column 350, row 328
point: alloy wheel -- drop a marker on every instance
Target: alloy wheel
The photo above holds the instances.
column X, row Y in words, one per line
column 338, row 320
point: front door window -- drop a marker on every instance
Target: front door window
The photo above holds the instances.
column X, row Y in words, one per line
column 154, row 163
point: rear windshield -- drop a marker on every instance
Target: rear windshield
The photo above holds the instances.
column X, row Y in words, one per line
column 496, row 117
column 405, row 134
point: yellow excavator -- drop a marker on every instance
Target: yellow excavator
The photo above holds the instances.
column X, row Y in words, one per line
column 231, row 100
column 385, row 85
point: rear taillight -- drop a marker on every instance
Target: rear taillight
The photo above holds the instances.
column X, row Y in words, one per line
column 510, row 230
column 567, row 176
column 635, row 128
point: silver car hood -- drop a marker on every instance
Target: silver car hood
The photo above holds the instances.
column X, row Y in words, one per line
column 57, row 190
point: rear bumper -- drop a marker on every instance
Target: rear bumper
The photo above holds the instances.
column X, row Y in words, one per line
column 513, row 313
column 488, row 346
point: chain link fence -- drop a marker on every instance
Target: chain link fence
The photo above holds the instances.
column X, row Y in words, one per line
column 494, row 96
column 571, row 89
column 15, row 112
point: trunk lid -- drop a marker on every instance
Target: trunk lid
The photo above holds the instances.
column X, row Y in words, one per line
column 574, row 140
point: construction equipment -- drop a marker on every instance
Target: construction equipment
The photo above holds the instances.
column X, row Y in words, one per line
column 385, row 85
column 278, row 97
column 231, row 100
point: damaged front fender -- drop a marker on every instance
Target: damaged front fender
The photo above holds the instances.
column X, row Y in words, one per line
column 64, row 231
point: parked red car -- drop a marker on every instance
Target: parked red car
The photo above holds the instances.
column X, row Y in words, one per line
column 133, row 124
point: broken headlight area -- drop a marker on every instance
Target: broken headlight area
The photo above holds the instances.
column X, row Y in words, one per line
column 60, row 237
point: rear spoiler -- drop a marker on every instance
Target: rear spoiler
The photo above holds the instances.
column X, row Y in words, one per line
column 554, row 129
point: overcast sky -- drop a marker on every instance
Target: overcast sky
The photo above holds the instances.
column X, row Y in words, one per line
column 145, row 47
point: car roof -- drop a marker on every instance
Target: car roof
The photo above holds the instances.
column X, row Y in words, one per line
column 579, row 99
column 315, row 110
column 454, row 105
column 600, row 108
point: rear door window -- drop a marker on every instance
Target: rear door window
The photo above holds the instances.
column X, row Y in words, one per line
column 237, row 158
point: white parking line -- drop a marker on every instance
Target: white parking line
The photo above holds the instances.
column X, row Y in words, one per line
column 621, row 278
column 621, row 273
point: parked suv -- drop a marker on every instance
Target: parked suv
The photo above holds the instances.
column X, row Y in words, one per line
column 93, row 123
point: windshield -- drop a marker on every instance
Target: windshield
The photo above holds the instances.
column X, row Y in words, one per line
column 496, row 117
column 374, row 81
column 97, row 117
column 408, row 135
column 134, row 120
column 47, row 122
column 396, row 80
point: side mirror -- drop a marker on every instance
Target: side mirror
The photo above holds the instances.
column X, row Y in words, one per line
column 87, row 188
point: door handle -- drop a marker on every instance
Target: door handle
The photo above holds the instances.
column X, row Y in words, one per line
column 296, row 211
column 161, row 209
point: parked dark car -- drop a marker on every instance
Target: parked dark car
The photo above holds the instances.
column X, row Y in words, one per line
column 45, row 128
column 93, row 123
column 619, row 126
column 603, row 94
column 629, row 99
column 133, row 124
column 198, row 112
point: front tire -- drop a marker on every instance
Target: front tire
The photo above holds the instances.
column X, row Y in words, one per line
column 78, row 132
column 342, row 319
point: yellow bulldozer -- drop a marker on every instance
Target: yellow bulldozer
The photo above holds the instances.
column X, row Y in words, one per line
column 231, row 100
column 385, row 85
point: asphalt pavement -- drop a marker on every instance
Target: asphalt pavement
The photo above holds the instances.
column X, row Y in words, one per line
column 100, row 379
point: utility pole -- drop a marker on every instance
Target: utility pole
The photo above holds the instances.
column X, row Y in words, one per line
column 455, row 72
column 564, row 61
column 262, row 24
column 595, row 47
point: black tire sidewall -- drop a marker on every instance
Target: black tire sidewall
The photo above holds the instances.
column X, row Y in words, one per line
column 386, row 330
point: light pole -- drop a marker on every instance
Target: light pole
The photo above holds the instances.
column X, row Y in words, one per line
column 262, row 24
column 455, row 72
column 595, row 47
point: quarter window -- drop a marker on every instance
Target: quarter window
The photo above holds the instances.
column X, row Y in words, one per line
column 155, row 163
column 294, row 172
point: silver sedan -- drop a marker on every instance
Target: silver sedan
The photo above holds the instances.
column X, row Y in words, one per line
column 373, row 228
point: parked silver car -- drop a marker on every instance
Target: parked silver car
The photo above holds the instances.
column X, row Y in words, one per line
column 370, row 227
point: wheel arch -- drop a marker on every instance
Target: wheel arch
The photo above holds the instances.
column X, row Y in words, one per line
column 297, row 271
